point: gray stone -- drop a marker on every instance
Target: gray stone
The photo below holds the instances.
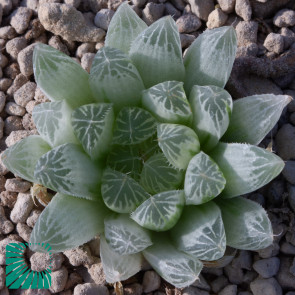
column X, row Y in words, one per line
column 193, row 291
column 234, row 274
column 33, row 217
column 3, row 60
column 288, row 36
column 86, row 61
column 188, row 23
column 171, row 10
column 97, row 274
column 151, row 281
column 229, row 290
column 2, row 101
column 24, row 231
column 16, row 136
column 58, row 280
column 243, row 260
column 18, row 82
column 266, row 286
column 25, row 94
column 247, row 32
column 219, row 283
column 73, row 280
column 90, row 289
column 5, row 84
column 289, row 171
column 25, row 60
column 290, row 293
column 201, row 283
column 139, row 3
column 80, row 256
column 20, row 19
column 12, row 123
column 267, row 268
column 285, row 141
column 56, row 43
column 13, row 109
column 6, row 6
column 22, row 208
column 7, row 32
column 15, row 45
column 85, row 48
column 292, row 268
column 6, row 227
column 186, row 40
column 74, row 3
column 69, row 23
column 1, row 128
column 40, row 96
column 201, row 8
column 292, row 119
column 152, row 12
column 243, row 9
column 2, row 278
column 284, row 277
column 103, row 18
column 228, row 6
column 274, row 43
column 291, row 196
column 216, row 18
column 287, row 249
column 284, row 18
column 41, row 261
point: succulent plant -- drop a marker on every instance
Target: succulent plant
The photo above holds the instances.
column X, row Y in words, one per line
column 149, row 151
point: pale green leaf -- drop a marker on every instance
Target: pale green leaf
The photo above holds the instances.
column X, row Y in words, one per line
column 53, row 122
column 211, row 107
column 93, row 126
column 210, row 58
column 167, row 102
column 124, row 27
column 246, row 224
column 254, row 116
column 126, row 159
column 124, row 236
column 200, row 232
column 245, row 167
column 203, row 180
column 160, row 212
column 133, row 125
column 113, row 78
column 176, row 267
column 157, row 175
column 120, row 192
column 58, row 226
column 178, row 143
column 22, row 157
column 118, row 267
column 66, row 169
column 157, row 54
column 60, row 77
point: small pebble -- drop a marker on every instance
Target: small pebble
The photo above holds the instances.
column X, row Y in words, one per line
column 85, row 48
column 288, row 36
column 266, row 286
column 247, row 33
column 274, row 43
column 186, row 40
column 8, row 199
column 25, row 94
column 17, row 185
column 86, row 61
column 1, row 128
column 219, row 283
column 13, row 109
column 41, row 261
column 6, row 6
column 15, row 45
column 267, row 268
column 7, row 32
column 97, row 274
column 229, row 290
column 18, row 82
column 289, row 171
column 74, row 3
column 202, row 8
column 2, row 278
column 216, row 18
column 22, row 208
column 171, row 10
column 234, row 274
column 188, row 23
column 3, row 60
column 12, row 123
column 58, row 280
column 152, row 12
column 103, row 18
column 20, row 19
column 134, row 289
column 40, row 96
column 55, row 42
column 243, row 9
column 287, row 249
column 33, row 217
column 228, row 6
column 5, row 84
column 284, row 277
column 80, row 256
column 151, row 281
column 25, row 60
column 6, row 225
column 291, row 196
column 284, row 18
column 73, row 280
column 285, row 141
column 12, row 70
column 24, row 231
column 90, row 289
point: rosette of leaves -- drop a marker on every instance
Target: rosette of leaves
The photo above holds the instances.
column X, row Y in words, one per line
column 149, row 151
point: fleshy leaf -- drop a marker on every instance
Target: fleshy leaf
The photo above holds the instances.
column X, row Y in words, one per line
column 120, row 192
column 66, row 169
column 178, row 143
column 174, row 266
column 22, row 157
column 53, row 122
column 200, row 232
column 118, row 267
column 133, row 125
column 93, row 126
column 113, row 78
column 167, row 102
column 211, row 107
column 126, row 159
column 245, row 167
column 156, row 53
column 210, row 58
column 246, row 224
column 124, row 236
column 58, row 226
column 60, row 77
column 203, row 180
column 254, row 116
column 157, row 175
column 160, row 212
column 124, row 27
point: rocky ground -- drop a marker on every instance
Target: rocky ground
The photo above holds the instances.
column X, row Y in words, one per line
column 265, row 64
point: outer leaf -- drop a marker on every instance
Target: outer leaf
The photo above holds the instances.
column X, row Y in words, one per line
column 117, row 267
column 53, row 122
column 176, row 267
column 210, row 58
column 157, row 54
column 115, row 79
column 211, row 107
column 124, row 236
column 203, row 180
column 245, row 167
column 178, row 143
column 124, row 27
column 120, row 192
column 126, row 159
column 93, row 126
column 22, row 157
column 158, row 176
column 246, row 224
column 60, row 77
column 200, row 232
column 66, row 169
column 254, row 116
column 133, row 125
column 167, row 102
column 58, row 226
column 160, row 212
